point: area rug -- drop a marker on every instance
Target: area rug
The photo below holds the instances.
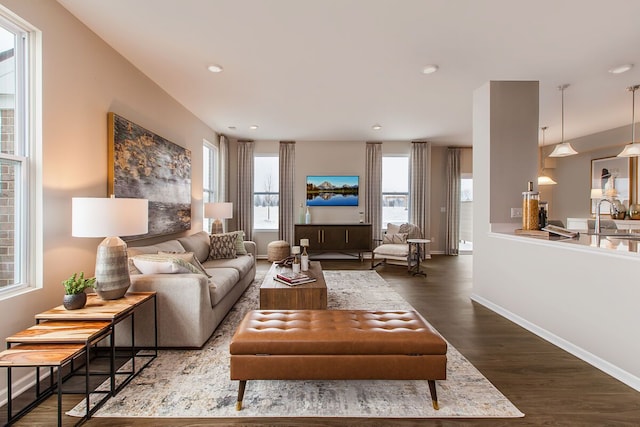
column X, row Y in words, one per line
column 195, row 383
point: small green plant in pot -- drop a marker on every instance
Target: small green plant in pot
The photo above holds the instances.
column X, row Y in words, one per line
column 74, row 287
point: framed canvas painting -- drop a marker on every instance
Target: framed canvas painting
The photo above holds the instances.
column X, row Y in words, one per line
column 610, row 178
column 144, row 165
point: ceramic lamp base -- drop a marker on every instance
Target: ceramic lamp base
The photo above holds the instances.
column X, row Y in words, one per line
column 216, row 227
column 112, row 269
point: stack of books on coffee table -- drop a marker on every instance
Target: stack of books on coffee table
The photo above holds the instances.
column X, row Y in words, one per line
column 292, row 279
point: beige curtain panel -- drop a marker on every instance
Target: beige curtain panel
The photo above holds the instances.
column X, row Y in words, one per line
column 453, row 201
column 373, row 189
column 286, row 215
column 245, row 188
column 419, row 194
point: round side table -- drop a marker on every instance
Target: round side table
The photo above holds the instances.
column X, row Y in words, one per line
column 415, row 249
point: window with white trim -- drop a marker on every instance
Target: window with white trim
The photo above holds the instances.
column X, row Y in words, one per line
column 395, row 190
column 19, row 108
column 209, row 178
column 266, row 192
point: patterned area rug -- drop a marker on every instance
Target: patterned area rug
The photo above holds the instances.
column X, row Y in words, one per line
column 195, row 383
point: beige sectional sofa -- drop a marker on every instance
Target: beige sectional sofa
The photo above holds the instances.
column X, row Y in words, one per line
column 190, row 306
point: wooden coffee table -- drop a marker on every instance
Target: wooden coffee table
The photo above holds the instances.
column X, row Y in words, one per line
column 275, row 295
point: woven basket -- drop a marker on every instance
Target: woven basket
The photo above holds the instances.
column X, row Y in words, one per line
column 278, row 250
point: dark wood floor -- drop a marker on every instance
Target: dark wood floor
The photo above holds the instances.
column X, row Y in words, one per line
column 552, row 387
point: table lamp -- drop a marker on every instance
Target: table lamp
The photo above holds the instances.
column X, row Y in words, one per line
column 218, row 211
column 110, row 217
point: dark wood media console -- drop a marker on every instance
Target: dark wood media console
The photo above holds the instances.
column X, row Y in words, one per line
column 340, row 238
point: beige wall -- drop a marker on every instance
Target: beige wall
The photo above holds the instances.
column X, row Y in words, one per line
column 348, row 158
column 83, row 79
column 581, row 299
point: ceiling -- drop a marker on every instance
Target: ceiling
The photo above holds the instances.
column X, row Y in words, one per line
column 328, row 70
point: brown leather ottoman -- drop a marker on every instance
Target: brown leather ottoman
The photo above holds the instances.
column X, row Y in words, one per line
column 337, row 345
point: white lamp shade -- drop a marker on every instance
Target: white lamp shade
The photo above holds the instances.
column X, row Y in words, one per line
column 596, row 193
column 630, row 150
column 218, row 210
column 104, row 217
column 563, row 150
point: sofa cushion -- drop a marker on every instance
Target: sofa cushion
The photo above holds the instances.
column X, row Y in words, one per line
column 392, row 249
column 198, row 243
column 168, row 246
column 223, row 246
column 243, row 264
column 189, row 257
column 221, row 282
column 163, row 264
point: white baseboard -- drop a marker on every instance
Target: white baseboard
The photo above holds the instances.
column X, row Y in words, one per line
column 605, row 366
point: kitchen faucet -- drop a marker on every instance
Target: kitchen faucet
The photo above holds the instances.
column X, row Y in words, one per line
column 597, row 226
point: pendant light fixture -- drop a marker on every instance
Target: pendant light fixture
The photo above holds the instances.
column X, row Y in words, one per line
column 542, row 178
column 632, row 149
column 563, row 149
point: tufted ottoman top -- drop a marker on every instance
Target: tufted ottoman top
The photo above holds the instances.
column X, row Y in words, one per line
column 322, row 332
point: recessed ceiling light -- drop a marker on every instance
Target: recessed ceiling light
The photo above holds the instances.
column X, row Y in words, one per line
column 214, row 68
column 430, row 69
column 621, row 69
column 253, row 127
column 376, row 127
column 232, row 127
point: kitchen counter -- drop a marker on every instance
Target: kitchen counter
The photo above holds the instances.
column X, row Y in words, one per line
column 611, row 242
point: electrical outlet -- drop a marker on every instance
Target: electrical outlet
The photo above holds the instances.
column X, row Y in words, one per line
column 516, row 212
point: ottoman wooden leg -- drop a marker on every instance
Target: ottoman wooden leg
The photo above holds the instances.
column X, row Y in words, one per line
column 434, row 396
column 241, row 386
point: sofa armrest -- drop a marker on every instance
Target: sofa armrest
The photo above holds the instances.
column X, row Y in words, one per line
column 250, row 247
column 183, row 301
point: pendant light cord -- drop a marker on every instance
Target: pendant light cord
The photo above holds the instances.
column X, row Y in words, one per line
column 633, row 112
column 562, row 88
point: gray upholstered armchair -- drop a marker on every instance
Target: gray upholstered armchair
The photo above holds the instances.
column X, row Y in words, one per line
column 394, row 244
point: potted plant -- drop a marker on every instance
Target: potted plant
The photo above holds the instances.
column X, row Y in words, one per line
column 74, row 287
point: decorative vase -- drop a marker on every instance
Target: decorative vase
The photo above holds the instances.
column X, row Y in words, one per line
column 74, row 301
column 307, row 217
column 304, row 259
column 634, row 211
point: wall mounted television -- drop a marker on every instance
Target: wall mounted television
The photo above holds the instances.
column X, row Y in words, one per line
column 332, row 190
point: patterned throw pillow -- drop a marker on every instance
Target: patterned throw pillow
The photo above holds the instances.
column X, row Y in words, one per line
column 163, row 264
column 397, row 238
column 189, row 257
column 223, row 246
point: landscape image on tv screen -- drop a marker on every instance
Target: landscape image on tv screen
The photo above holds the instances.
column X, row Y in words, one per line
column 332, row 190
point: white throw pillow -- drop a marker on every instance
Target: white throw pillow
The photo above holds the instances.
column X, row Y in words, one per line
column 393, row 228
column 189, row 257
column 163, row 264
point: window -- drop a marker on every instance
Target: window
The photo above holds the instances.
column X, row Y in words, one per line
column 209, row 178
column 19, row 109
column 395, row 190
column 265, row 192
